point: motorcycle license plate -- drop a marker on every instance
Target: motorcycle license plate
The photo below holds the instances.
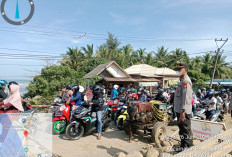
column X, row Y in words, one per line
column 57, row 114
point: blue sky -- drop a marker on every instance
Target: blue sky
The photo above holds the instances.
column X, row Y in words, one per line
column 61, row 21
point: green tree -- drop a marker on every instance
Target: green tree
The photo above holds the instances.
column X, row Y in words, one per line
column 141, row 55
column 90, row 64
column 149, row 59
column 124, row 57
column 161, row 57
column 111, row 45
column 221, row 66
column 88, row 51
column 207, row 67
column 177, row 56
column 52, row 79
column 73, row 58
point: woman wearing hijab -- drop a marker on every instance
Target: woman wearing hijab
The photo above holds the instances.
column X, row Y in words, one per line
column 13, row 103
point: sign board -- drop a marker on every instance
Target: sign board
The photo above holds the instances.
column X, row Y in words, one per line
column 148, row 84
column 173, row 81
column 203, row 130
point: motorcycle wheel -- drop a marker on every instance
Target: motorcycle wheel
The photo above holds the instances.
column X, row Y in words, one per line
column 72, row 134
column 58, row 127
column 120, row 123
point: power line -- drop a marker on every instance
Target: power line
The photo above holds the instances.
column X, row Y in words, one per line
column 23, row 50
column 123, row 38
column 21, row 65
column 8, row 29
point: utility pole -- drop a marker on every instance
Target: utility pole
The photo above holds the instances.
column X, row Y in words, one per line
column 217, row 54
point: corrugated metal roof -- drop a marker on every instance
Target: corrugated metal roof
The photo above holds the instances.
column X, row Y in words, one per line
column 100, row 68
column 130, row 79
column 150, row 71
column 141, row 69
column 165, row 71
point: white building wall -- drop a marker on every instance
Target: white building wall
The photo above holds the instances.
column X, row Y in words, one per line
column 114, row 70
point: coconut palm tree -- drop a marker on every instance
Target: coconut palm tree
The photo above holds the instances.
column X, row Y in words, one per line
column 149, row 59
column 161, row 57
column 221, row 66
column 88, row 51
column 73, row 58
column 125, row 56
column 177, row 56
column 207, row 67
column 196, row 63
column 111, row 44
column 141, row 55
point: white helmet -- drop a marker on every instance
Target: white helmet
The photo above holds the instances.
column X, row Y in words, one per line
column 81, row 89
column 116, row 86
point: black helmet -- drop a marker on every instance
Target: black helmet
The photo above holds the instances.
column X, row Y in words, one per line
column 76, row 87
column 122, row 89
column 69, row 87
column 96, row 88
column 12, row 82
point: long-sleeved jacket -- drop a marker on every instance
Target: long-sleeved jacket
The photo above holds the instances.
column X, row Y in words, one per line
column 183, row 96
column 77, row 98
column 114, row 94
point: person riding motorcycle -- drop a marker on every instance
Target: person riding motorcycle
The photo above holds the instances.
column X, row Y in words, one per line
column 199, row 94
column 160, row 96
column 67, row 93
column 76, row 97
column 12, row 104
column 114, row 92
column 203, row 91
column 225, row 98
column 83, row 95
column 211, row 101
column 97, row 106
column 3, row 94
column 142, row 95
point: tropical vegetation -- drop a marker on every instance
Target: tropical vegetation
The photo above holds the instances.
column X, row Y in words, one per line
column 79, row 61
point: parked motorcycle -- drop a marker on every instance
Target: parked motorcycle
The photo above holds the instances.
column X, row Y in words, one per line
column 61, row 118
column 85, row 122
column 55, row 106
column 201, row 114
column 121, row 116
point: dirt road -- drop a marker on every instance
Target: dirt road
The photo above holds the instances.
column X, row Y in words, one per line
column 112, row 141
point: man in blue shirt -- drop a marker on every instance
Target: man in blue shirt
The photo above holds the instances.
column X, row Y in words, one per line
column 76, row 96
column 114, row 92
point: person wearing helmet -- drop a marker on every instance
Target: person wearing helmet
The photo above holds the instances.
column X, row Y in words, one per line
column 199, row 94
column 225, row 97
column 229, row 100
column 97, row 106
column 203, row 91
column 76, row 97
column 83, row 95
column 160, row 96
column 67, row 93
column 13, row 103
column 3, row 94
column 142, row 96
column 166, row 95
column 211, row 101
column 114, row 92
